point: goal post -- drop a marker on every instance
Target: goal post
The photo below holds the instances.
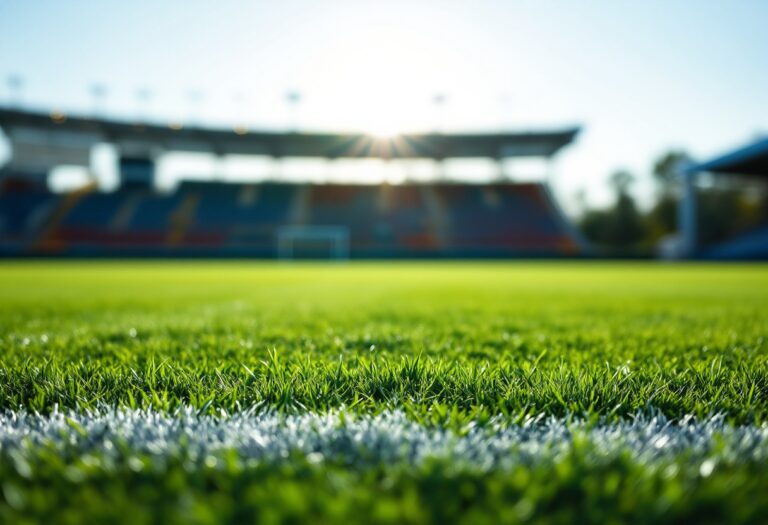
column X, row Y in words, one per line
column 316, row 242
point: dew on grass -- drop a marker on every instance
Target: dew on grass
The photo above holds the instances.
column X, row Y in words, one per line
column 707, row 467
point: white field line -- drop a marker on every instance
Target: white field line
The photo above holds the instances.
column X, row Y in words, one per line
column 389, row 438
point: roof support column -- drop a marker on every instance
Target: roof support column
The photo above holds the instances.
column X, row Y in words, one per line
column 501, row 173
column 441, row 168
column 549, row 170
column 686, row 214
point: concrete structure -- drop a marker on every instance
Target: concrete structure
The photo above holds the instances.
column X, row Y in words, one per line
column 41, row 141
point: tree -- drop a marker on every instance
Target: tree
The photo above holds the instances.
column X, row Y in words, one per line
column 726, row 208
column 626, row 228
column 621, row 180
column 619, row 229
column 662, row 218
column 666, row 171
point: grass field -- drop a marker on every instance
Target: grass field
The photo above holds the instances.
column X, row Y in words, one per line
column 205, row 392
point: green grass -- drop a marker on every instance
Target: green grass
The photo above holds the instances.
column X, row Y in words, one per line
column 447, row 343
column 504, row 338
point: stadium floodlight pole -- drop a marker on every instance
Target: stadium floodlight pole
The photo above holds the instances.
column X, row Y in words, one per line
column 293, row 100
column 195, row 98
column 143, row 98
column 98, row 96
column 240, row 103
column 439, row 100
column 504, row 101
column 15, row 89
column 504, row 160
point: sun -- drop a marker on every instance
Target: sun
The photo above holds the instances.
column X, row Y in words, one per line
column 385, row 117
column 384, row 130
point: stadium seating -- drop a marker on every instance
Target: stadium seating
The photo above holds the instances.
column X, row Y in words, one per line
column 219, row 219
column 23, row 209
column 19, row 211
column 237, row 215
column 510, row 216
column 750, row 245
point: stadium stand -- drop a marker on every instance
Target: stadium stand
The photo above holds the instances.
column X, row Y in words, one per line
column 270, row 219
column 25, row 209
column 218, row 219
column 750, row 161
column 491, row 217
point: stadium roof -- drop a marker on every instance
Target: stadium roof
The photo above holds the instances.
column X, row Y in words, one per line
column 749, row 160
column 296, row 144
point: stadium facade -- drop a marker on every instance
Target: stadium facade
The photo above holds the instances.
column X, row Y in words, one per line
column 749, row 161
column 271, row 219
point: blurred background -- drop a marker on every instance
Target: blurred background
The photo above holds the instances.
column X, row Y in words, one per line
column 378, row 130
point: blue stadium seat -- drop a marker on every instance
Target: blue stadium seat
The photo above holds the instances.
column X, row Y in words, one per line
column 382, row 220
column 22, row 212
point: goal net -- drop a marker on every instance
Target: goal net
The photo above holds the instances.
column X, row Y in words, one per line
column 313, row 242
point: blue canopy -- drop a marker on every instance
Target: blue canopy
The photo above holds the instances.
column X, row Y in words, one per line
column 749, row 160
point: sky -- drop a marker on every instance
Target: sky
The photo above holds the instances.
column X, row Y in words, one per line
column 639, row 77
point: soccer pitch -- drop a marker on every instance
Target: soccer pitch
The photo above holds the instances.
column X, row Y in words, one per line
column 547, row 392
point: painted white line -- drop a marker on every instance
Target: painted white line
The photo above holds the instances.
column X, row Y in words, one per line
column 388, row 438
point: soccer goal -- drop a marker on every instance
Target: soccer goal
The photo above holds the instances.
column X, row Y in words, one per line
column 313, row 242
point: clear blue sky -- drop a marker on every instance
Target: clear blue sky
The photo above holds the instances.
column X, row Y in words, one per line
column 639, row 76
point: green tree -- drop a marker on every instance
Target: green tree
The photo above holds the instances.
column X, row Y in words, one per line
column 662, row 218
column 619, row 230
column 627, row 227
column 666, row 171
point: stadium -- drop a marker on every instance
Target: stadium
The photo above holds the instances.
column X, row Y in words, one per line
column 272, row 219
column 373, row 301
